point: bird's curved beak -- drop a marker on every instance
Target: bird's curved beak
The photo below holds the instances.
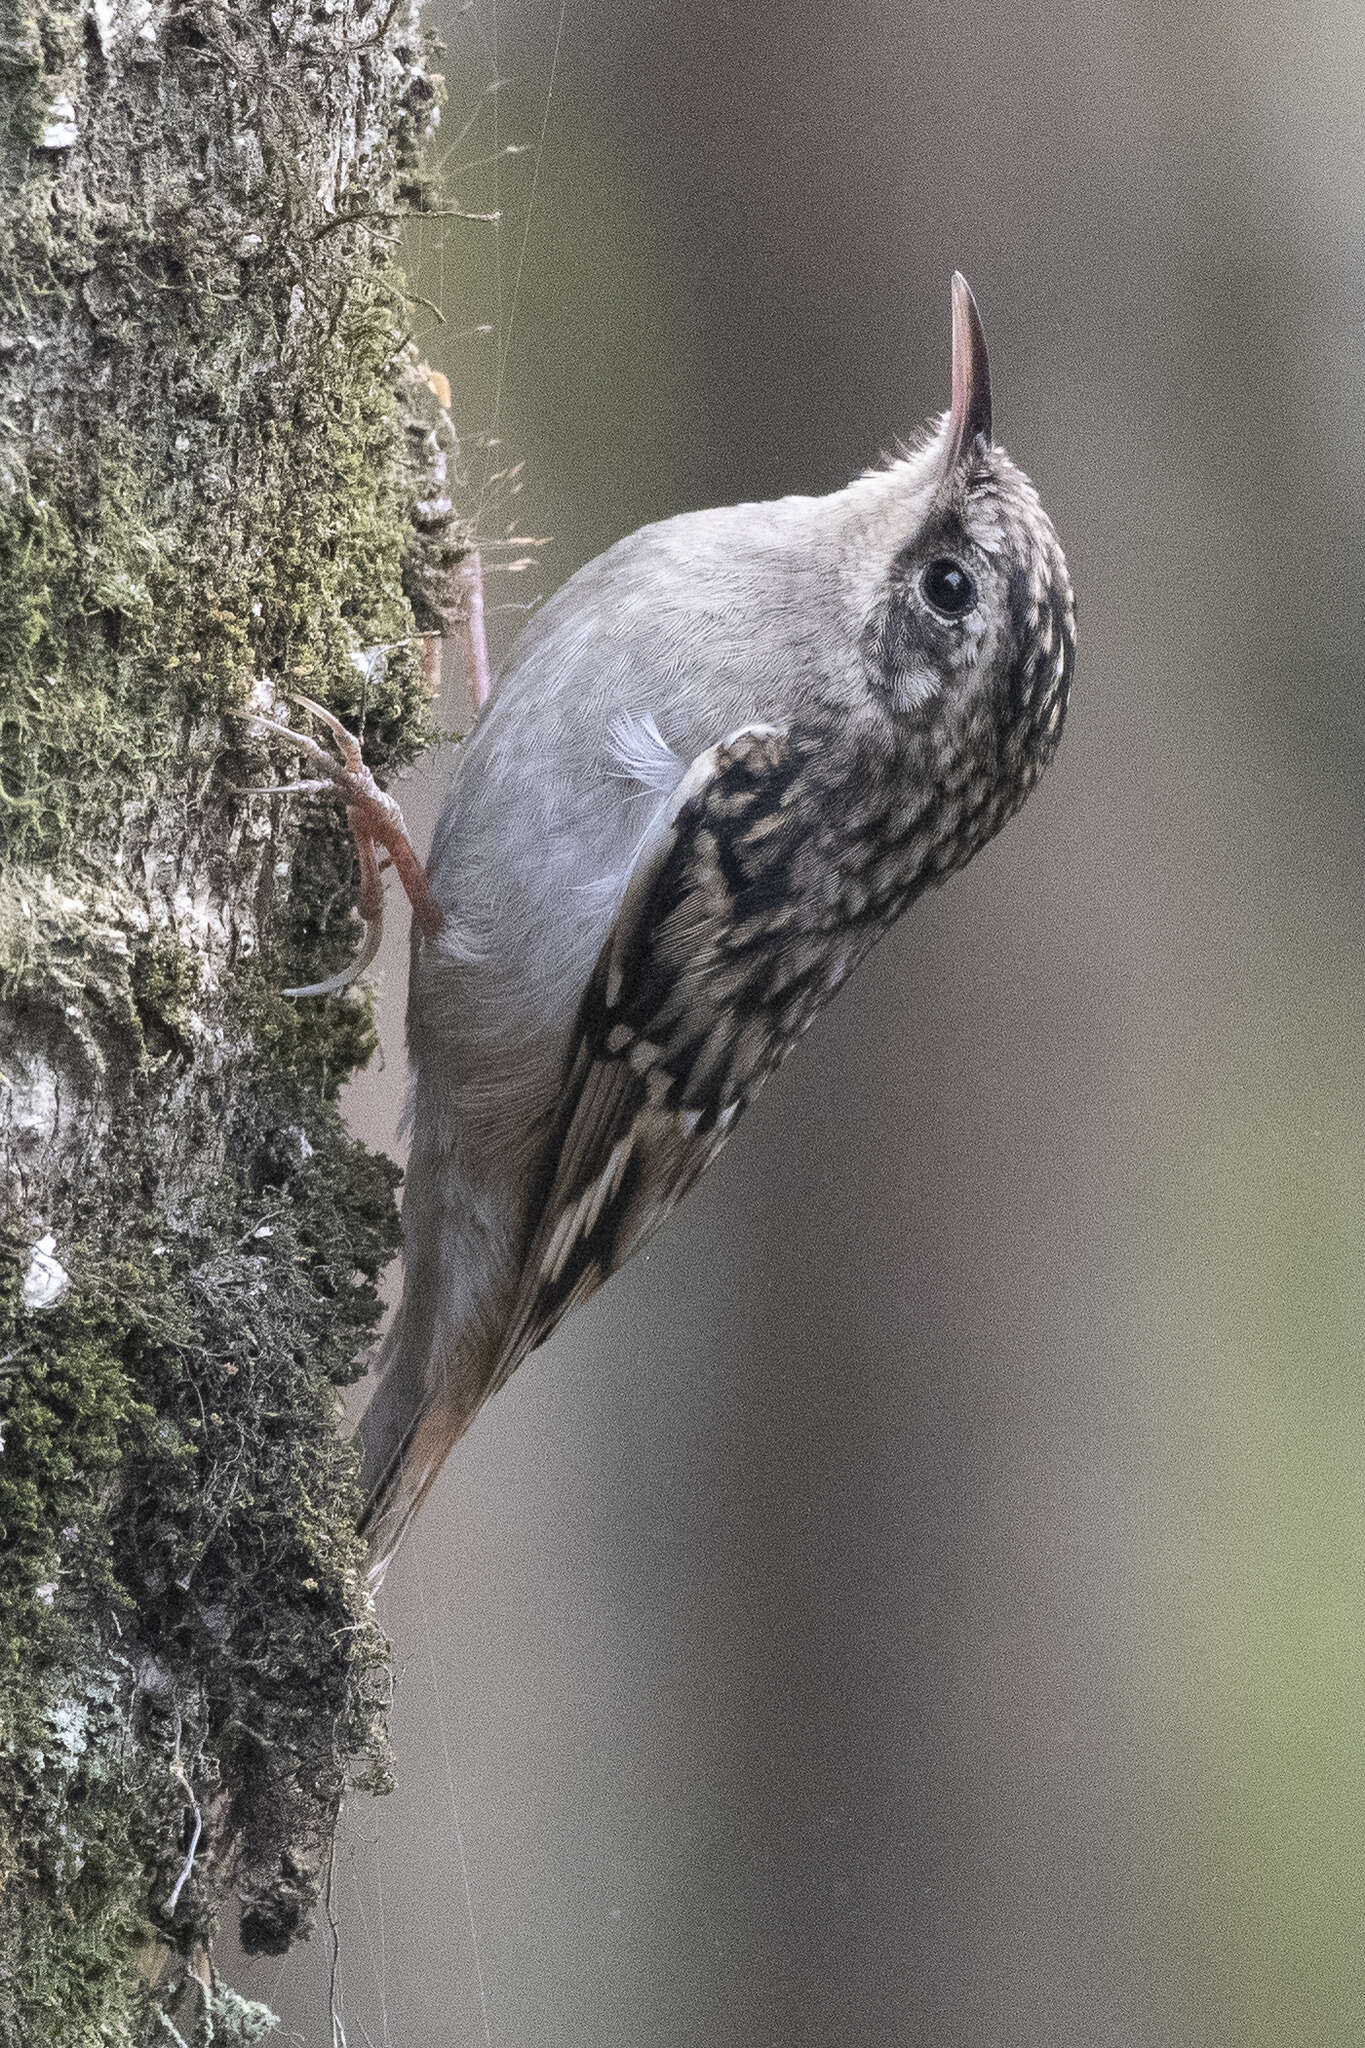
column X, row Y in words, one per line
column 970, row 416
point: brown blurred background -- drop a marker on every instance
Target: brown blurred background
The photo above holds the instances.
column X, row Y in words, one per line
column 921, row 1600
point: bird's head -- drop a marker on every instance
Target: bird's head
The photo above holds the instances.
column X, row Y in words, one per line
column 970, row 641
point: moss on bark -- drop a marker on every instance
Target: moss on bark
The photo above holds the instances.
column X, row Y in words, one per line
column 222, row 479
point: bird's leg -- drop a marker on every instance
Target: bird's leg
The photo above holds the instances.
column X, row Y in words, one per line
column 375, row 820
column 476, row 672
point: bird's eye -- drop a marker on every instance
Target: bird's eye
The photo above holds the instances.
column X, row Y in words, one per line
column 949, row 588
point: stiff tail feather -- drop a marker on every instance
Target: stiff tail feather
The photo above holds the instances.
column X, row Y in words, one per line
column 405, row 1436
column 439, row 1360
column 430, row 1389
column 395, row 1489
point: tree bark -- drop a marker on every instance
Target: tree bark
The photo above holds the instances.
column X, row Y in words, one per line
column 223, row 480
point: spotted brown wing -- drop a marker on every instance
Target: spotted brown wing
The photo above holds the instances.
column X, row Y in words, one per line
column 713, row 966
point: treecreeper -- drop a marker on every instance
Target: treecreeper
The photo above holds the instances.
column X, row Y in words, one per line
column 714, row 770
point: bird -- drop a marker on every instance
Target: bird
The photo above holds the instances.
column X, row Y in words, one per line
column 715, row 768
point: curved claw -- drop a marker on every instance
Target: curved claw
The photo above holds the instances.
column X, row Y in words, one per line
column 349, row 775
column 373, row 816
column 374, row 932
column 372, row 810
column 371, row 908
column 346, row 740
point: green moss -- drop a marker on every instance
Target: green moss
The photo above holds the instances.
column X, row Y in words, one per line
column 206, row 492
column 68, row 1410
column 183, row 1580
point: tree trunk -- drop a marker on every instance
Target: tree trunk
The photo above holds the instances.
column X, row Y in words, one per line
column 222, row 480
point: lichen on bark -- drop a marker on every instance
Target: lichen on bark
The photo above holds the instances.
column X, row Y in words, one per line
column 223, row 479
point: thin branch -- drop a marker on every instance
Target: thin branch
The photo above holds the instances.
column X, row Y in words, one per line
column 178, row 1771
column 334, row 1979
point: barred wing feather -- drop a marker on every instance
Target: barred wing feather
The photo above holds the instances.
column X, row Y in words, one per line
column 707, row 976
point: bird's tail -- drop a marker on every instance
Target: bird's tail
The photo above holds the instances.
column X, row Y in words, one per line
column 435, row 1362
column 416, row 1417
column 404, row 1438
column 430, row 1389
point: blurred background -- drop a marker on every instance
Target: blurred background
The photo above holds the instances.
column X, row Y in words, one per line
column 922, row 1599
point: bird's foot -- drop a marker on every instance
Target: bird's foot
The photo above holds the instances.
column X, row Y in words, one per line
column 375, row 820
